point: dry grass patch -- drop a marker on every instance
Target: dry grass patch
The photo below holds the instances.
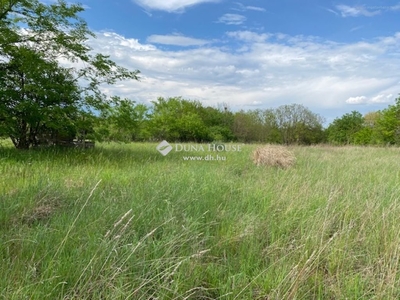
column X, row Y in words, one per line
column 274, row 156
column 38, row 214
column 42, row 212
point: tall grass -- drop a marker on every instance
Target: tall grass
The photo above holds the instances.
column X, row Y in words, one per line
column 124, row 222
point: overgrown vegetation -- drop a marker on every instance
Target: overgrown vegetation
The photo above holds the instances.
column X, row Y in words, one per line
column 45, row 102
column 41, row 100
column 375, row 128
column 124, row 222
column 177, row 119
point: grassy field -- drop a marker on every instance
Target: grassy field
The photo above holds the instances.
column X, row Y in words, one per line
column 124, row 222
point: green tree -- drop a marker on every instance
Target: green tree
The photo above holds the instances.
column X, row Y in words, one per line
column 256, row 126
column 142, row 113
column 35, row 94
column 287, row 124
column 246, row 126
column 219, row 123
column 51, row 29
column 297, row 124
column 364, row 136
column 388, row 125
column 34, row 37
column 369, row 133
column 123, row 121
column 271, row 129
column 176, row 119
column 344, row 130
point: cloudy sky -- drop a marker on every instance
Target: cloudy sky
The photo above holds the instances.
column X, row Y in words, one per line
column 331, row 56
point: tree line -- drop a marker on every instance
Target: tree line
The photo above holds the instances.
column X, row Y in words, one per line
column 42, row 101
column 374, row 128
column 179, row 120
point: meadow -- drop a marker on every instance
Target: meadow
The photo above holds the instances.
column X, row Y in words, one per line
column 121, row 221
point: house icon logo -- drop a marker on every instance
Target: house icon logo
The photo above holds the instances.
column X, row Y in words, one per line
column 164, row 148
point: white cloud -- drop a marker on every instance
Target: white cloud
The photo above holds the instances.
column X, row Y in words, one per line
column 256, row 8
column 118, row 40
column 356, row 11
column 177, row 40
column 395, row 7
column 232, row 19
column 273, row 69
column 331, row 11
column 357, row 100
column 356, row 28
column 382, row 98
column 170, row 5
column 241, row 7
column 248, row 36
column 378, row 99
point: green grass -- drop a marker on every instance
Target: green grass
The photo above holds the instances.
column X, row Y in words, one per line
column 124, row 222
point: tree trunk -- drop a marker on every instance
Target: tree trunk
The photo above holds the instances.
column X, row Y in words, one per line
column 22, row 141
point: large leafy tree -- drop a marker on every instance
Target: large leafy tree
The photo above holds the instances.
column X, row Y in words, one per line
column 36, row 91
column 388, row 124
column 177, row 119
column 124, row 121
column 297, row 124
column 219, row 122
column 35, row 94
column 369, row 133
column 344, row 130
column 248, row 126
column 287, row 124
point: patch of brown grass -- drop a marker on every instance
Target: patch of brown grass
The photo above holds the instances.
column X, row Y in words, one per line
column 42, row 212
column 39, row 213
column 274, row 156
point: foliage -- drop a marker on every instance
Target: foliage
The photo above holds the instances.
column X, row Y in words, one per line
column 177, row 119
column 123, row 121
column 287, row 124
column 388, row 124
column 375, row 128
column 35, row 94
column 364, row 136
column 297, row 124
column 246, row 127
column 219, row 122
column 35, row 36
column 343, row 130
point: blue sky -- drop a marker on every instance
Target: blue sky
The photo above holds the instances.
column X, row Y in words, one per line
column 331, row 56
